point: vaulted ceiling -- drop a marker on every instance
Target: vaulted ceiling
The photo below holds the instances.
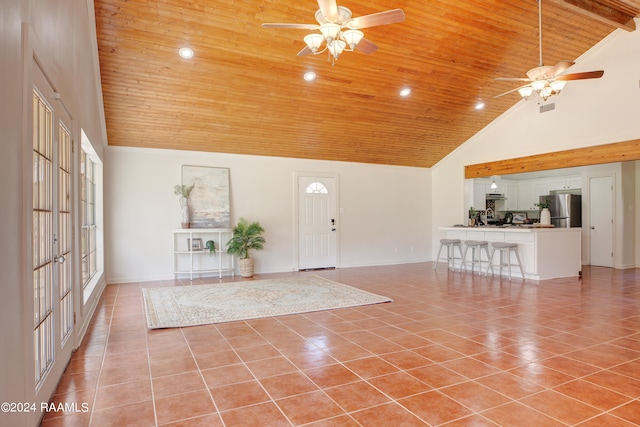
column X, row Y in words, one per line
column 243, row 92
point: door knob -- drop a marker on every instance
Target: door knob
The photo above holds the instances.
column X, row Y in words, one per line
column 592, row 227
column 333, row 229
column 59, row 259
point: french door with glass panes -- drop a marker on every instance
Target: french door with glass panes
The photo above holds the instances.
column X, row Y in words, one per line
column 51, row 238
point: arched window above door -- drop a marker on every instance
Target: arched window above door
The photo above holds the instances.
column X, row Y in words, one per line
column 316, row 188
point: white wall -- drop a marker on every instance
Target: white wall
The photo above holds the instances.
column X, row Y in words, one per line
column 588, row 112
column 384, row 208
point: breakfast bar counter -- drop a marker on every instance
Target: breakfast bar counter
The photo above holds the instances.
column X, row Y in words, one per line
column 546, row 253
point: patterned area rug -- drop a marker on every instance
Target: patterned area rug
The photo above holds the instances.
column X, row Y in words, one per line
column 225, row 302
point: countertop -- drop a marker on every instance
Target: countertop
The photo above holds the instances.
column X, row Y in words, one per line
column 512, row 228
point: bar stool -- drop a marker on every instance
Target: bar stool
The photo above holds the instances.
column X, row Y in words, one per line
column 450, row 244
column 506, row 248
column 476, row 257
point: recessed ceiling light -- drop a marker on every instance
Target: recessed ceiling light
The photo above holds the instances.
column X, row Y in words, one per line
column 186, row 52
column 405, row 92
column 479, row 105
column 309, row 76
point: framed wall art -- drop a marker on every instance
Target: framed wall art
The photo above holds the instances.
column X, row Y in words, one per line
column 209, row 200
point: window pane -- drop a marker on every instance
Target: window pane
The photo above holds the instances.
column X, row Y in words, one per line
column 88, row 216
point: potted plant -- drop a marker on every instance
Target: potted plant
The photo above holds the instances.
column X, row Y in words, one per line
column 184, row 191
column 472, row 216
column 545, row 215
column 211, row 246
column 246, row 237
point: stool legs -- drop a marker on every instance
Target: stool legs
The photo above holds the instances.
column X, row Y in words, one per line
column 450, row 254
column 476, row 257
column 507, row 251
column 519, row 263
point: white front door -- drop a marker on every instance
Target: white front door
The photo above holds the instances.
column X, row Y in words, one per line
column 601, row 221
column 317, row 222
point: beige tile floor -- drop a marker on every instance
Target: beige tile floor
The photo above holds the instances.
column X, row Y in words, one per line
column 452, row 349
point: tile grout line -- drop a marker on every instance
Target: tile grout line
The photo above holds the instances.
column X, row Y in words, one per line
column 195, row 360
column 146, row 341
column 104, row 355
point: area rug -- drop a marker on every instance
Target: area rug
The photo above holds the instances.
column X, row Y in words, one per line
column 225, row 302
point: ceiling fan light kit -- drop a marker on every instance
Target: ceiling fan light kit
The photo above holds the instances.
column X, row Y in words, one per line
column 557, row 85
column 546, row 81
column 336, row 47
column 314, row 41
column 353, row 37
column 339, row 31
column 330, row 31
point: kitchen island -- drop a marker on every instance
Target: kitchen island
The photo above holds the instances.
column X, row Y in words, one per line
column 546, row 253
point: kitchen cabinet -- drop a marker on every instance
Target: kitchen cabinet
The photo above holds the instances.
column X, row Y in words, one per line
column 529, row 193
column 479, row 194
column 511, row 192
column 575, row 183
column 540, row 188
column 525, row 190
column 565, row 183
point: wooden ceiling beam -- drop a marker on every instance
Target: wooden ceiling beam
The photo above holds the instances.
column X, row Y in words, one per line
column 633, row 3
column 596, row 155
column 601, row 12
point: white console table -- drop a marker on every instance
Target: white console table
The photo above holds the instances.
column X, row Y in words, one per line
column 191, row 256
column 546, row 253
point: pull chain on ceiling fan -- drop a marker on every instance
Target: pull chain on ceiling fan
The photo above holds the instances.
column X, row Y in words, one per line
column 546, row 80
column 339, row 31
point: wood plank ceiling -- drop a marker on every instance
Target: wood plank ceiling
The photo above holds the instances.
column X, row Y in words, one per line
column 243, row 92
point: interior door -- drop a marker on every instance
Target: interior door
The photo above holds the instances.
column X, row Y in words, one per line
column 52, row 202
column 317, row 222
column 601, row 221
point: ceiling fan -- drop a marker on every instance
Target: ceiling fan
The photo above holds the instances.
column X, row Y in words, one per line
column 547, row 80
column 339, row 31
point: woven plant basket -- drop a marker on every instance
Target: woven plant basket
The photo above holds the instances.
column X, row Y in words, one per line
column 246, row 267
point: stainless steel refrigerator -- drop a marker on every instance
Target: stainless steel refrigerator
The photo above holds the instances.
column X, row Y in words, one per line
column 565, row 209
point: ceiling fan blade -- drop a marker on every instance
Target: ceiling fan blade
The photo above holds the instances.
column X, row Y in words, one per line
column 581, row 76
column 560, row 67
column 366, row 46
column 393, row 16
column 292, row 26
column 513, row 79
column 510, row 91
column 329, row 9
column 305, row 51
